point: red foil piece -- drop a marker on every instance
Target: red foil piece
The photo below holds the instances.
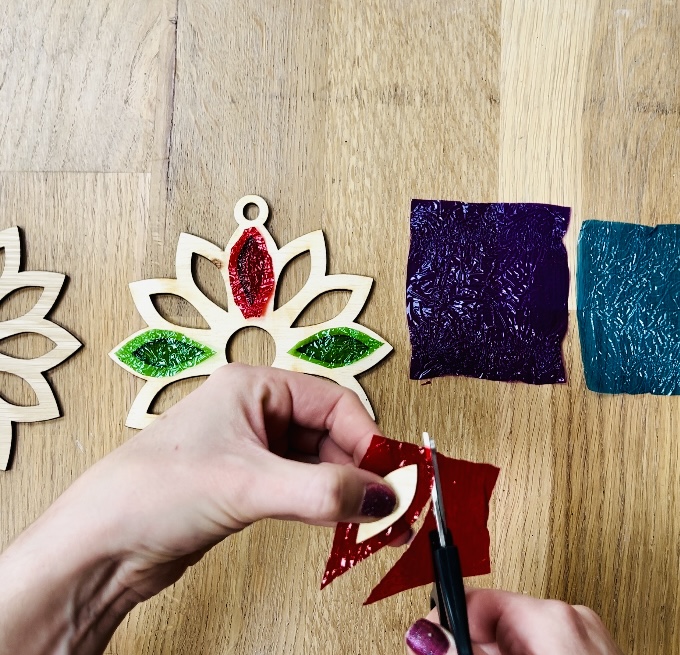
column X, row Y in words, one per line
column 467, row 488
column 251, row 273
column 382, row 457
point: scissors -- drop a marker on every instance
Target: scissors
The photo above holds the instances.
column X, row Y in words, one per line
column 448, row 593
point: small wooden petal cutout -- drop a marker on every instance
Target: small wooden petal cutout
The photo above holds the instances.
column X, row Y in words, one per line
column 404, row 482
column 467, row 488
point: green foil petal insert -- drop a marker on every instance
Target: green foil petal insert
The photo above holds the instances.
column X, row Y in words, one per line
column 162, row 353
column 335, row 347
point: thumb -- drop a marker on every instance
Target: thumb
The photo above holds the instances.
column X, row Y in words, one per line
column 425, row 637
column 320, row 493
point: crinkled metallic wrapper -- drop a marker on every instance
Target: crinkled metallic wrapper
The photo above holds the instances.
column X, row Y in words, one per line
column 382, row 457
column 628, row 300
column 251, row 273
column 487, row 288
column 466, row 487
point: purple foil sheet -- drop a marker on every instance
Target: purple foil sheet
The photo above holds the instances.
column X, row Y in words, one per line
column 487, row 288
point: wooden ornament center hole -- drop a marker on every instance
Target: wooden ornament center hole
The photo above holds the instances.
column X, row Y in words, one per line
column 251, row 345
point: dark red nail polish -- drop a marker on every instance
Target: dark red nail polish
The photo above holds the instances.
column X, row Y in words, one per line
column 379, row 500
column 427, row 638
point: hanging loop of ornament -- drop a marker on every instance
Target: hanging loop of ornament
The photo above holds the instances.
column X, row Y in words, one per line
column 251, row 269
column 240, row 211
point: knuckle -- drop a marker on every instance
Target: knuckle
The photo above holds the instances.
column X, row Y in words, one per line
column 587, row 614
column 564, row 613
column 222, row 373
column 229, row 374
column 331, row 495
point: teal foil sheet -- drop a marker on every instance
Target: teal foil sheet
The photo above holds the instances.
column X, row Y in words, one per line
column 628, row 301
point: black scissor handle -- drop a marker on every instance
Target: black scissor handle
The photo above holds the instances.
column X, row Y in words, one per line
column 451, row 591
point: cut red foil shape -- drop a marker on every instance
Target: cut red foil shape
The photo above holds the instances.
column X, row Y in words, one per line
column 251, row 273
column 466, row 489
column 383, row 456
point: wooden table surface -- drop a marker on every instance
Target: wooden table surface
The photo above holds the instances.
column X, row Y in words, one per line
column 125, row 123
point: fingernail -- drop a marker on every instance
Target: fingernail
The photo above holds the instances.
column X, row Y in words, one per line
column 427, row 638
column 379, row 500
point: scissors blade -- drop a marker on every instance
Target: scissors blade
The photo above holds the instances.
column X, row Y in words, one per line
column 437, row 497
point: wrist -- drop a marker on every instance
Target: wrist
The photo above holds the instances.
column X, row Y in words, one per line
column 59, row 587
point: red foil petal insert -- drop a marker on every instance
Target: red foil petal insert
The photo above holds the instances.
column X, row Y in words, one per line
column 467, row 488
column 251, row 273
column 382, row 457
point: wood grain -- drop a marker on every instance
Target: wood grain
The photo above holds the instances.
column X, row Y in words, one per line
column 78, row 83
column 123, row 125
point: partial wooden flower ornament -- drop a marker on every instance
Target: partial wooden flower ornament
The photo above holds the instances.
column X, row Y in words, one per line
column 34, row 321
column 251, row 264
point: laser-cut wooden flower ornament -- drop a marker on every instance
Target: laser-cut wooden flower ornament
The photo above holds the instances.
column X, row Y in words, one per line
column 251, row 264
column 34, row 321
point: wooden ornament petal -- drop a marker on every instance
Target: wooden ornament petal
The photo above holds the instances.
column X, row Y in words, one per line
column 336, row 347
column 10, row 241
column 162, row 353
column 5, row 443
column 45, row 409
column 251, row 274
column 404, row 482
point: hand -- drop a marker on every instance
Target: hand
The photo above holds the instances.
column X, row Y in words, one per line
column 503, row 623
column 238, row 449
column 225, row 457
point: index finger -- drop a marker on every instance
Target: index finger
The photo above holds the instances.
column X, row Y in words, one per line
column 288, row 409
column 319, row 404
column 485, row 607
column 491, row 610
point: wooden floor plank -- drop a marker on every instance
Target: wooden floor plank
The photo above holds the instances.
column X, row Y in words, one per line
column 78, row 83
